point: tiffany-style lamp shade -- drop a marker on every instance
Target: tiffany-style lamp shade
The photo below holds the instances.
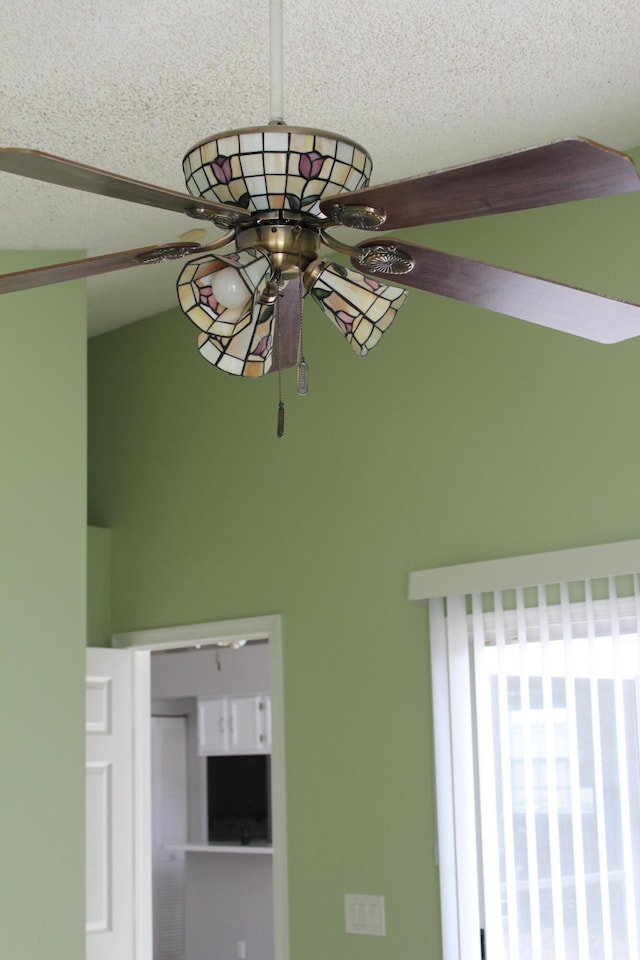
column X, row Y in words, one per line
column 238, row 338
column 275, row 168
column 360, row 307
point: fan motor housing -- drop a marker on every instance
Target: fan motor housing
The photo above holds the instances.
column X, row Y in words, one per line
column 290, row 245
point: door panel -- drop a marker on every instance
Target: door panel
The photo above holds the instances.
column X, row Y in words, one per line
column 109, row 805
column 213, row 725
column 245, row 723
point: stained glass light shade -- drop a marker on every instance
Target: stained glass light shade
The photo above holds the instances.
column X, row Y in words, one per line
column 360, row 307
column 238, row 340
column 275, row 168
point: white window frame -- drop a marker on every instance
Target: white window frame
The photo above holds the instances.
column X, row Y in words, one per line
column 445, row 588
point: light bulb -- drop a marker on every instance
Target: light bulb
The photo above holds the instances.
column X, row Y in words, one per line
column 229, row 289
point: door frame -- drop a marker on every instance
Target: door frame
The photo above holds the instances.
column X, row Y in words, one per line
column 142, row 643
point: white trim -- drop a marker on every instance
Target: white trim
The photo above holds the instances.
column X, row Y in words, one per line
column 453, row 820
column 250, row 628
column 558, row 566
column 142, row 896
column 464, row 789
column 446, row 856
column 226, row 849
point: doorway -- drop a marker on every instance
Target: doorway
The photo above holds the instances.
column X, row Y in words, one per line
column 212, row 882
column 257, row 630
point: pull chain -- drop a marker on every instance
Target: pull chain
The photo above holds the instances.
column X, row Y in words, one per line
column 280, row 427
column 303, row 367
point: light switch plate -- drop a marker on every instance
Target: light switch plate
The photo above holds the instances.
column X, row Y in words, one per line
column 364, row 914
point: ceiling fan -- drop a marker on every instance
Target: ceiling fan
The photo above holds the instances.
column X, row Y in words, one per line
column 278, row 191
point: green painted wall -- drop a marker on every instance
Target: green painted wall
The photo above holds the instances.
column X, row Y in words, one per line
column 42, row 617
column 464, row 436
column 98, row 587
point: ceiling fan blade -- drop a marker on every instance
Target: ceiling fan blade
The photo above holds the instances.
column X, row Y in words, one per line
column 572, row 169
column 539, row 301
column 67, row 173
column 287, row 331
column 91, row 267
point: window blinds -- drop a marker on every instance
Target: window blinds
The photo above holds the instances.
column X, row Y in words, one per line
column 537, row 694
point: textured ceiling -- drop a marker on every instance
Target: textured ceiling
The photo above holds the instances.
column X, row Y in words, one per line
column 130, row 86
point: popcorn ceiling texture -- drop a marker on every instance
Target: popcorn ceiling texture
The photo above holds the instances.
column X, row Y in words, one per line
column 129, row 87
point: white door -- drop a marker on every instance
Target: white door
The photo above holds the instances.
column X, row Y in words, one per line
column 109, row 805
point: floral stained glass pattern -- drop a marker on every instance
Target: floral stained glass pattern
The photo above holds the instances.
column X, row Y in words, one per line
column 360, row 307
column 238, row 340
column 276, row 168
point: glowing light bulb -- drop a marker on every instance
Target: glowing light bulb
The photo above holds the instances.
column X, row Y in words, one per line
column 229, row 289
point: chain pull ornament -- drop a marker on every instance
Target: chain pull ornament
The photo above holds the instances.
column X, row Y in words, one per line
column 303, row 378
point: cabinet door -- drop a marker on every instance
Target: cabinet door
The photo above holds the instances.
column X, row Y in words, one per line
column 235, row 724
column 213, row 726
column 246, row 724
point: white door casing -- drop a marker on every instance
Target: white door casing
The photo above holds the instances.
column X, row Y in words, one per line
column 139, row 643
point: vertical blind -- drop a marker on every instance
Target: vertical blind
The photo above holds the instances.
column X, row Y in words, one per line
column 543, row 712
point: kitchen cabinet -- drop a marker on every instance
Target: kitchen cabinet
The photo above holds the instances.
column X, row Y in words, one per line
column 231, row 724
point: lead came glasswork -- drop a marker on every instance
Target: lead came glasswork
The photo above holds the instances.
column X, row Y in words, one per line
column 235, row 168
column 360, row 307
column 236, row 340
column 239, row 340
column 277, row 169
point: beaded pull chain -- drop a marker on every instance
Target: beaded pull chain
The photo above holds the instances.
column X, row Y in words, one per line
column 303, row 367
column 280, row 427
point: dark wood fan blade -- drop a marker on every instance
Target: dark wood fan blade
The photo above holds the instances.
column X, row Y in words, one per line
column 91, row 267
column 539, row 301
column 572, row 169
column 67, row 173
column 287, row 332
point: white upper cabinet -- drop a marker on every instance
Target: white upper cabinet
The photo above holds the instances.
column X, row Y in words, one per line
column 234, row 724
column 213, row 725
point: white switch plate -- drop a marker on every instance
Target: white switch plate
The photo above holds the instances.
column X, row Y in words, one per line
column 364, row 914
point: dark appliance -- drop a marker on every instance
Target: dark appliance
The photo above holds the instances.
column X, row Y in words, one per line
column 238, row 799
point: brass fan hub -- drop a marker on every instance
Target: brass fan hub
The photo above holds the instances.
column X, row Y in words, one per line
column 291, row 244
